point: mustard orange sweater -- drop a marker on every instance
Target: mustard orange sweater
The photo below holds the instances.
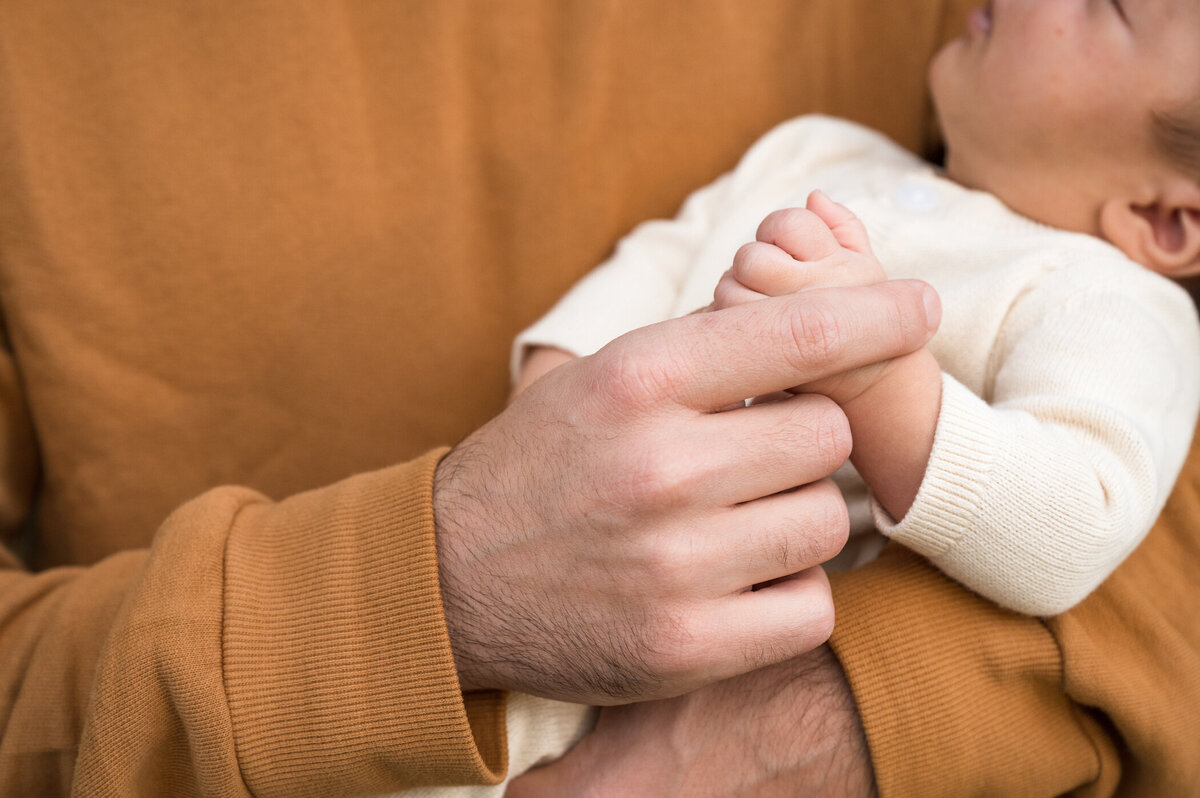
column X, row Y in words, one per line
column 283, row 246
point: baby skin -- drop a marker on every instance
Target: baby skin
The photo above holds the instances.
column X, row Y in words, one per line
column 892, row 407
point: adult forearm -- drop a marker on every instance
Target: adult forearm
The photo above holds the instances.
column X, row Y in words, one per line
column 831, row 729
column 786, row 730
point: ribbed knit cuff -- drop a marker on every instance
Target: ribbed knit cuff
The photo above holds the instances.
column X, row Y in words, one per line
column 337, row 661
column 958, row 697
column 948, row 500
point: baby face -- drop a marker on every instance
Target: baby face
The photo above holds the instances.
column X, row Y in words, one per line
column 1049, row 103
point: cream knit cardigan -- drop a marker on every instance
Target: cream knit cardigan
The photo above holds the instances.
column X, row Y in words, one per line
column 1071, row 374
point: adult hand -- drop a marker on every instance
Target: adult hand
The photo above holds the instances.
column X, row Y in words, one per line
column 598, row 540
column 798, row 249
column 789, row 729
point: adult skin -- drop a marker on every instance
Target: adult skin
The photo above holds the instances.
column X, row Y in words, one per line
column 598, row 540
column 803, row 737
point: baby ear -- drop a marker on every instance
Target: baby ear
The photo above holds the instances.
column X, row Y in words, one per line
column 1163, row 236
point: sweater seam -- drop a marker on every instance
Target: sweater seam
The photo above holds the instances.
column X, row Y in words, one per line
column 237, row 754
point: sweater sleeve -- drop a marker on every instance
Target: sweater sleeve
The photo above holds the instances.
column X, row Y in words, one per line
column 1032, row 499
column 960, row 697
column 258, row 647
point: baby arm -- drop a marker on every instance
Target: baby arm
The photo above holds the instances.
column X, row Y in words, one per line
column 538, row 360
column 892, row 406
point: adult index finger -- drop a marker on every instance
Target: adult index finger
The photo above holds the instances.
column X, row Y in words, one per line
column 707, row 361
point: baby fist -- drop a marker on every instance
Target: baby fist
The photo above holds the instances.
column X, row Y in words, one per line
column 822, row 244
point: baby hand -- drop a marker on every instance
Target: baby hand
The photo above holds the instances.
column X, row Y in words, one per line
column 893, row 405
column 823, row 244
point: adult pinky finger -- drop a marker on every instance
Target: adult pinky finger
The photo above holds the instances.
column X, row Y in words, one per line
column 775, row 622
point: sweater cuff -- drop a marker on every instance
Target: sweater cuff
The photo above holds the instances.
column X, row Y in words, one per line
column 948, row 500
column 337, row 661
column 957, row 696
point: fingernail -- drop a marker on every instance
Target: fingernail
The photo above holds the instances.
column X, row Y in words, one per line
column 933, row 307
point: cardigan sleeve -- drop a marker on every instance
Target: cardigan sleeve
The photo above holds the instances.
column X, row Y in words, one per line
column 258, row 647
column 960, row 697
column 1033, row 497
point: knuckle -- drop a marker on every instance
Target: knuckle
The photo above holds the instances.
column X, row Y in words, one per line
column 816, row 337
column 629, row 378
column 790, row 218
column 896, row 318
column 767, row 269
column 901, row 319
column 751, row 258
column 821, row 621
column 771, row 224
column 909, row 321
column 819, row 429
column 823, row 430
column 664, row 565
column 816, row 532
column 792, row 228
column 657, row 479
column 832, row 439
column 802, row 220
column 744, row 257
column 832, row 527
